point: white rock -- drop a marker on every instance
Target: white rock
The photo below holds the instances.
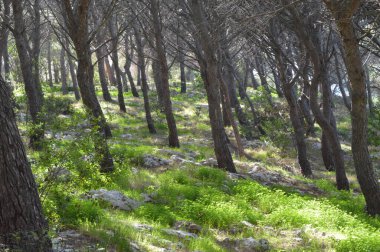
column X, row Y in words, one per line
column 180, row 233
column 116, row 199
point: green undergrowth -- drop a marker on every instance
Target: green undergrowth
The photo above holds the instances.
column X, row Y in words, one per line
column 202, row 195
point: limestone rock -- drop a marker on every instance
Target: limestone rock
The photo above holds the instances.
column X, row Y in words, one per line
column 150, row 161
column 115, row 198
column 180, row 234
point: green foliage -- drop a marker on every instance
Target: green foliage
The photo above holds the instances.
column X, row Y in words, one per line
column 373, row 127
column 73, row 211
column 55, row 105
column 198, row 81
column 157, row 213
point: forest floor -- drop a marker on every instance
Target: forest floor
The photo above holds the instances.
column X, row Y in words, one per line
column 162, row 199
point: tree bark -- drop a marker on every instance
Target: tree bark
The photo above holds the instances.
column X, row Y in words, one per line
column 73, row 74
column 33, row 88
column 144, row 82
column 78, row 30
column 343, row 12
column 22, row 224
column 63, row 72
column 115, row 60
column 127, row 67
column 209, row 73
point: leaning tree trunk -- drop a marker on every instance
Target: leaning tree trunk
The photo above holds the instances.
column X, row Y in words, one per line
column 343, row 12
column 72, row 73
column 289, row 93
column 63, row 72
column 164, row 74
column 22, row 224
column 50, row 70
column 144, row 82
column 33, row 89
column 102, row 75
column 319, row 70
column 127, row 67
column 78, row 31
column 209, row 73
column 115, row 61
column 181, row 59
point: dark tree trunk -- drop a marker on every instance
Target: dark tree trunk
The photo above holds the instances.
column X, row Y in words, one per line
column 144, row 82
column 63, row 72
column 158, row 83
column 49, row 61
column 73, row 74
column 342, row 90
column 263, row 79
column 294, row 113
column 127, row 67
column 78, row 31
column 22, row 224
column 277, row 83
column 138, row 76
column 304, row 103
column 33, row 88
column 115, row 60
column 319, row 75
column 369, row 90
column 181, row 59
column 164, row 73
column 102, row 75
column 209, row 73
column 56, row 73
column 110, row 72
column 343, row 12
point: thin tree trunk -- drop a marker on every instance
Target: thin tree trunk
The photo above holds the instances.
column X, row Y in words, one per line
column 73, row 75
column 63, row 72
column 110, row 72
column 50, row 71
column 33, row 88
column 144, row 82
column 294, row 118
column 78, row 31
column 342, row 90
column 102, row 75
column 115, row 60
column 127, row 67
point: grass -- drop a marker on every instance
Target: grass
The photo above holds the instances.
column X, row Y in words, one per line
column 203, row 195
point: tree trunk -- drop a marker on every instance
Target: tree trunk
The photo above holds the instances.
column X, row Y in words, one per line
column 127, row 67
column 304, row 103
column 63, row 72
column 50, row 71
column 115, row 61
column 342, row 90
column 78, row 31
column 319, row 75
column 73, row 74
column 110, row 72
column 56, row 73
column 22, row 224
column 209, row 73
column 33, row 88
column 181, row 59
column 158, row 83
column 363, row 166
column 144, row 82
column 164, row 74
column 102, row 75
column 294, row 118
